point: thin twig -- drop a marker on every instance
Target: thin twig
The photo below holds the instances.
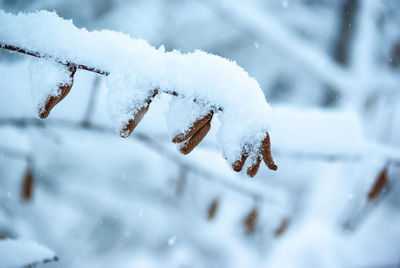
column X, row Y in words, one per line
column 66, row 63
column 262, row 26
column 35, row 264
column 83, row 67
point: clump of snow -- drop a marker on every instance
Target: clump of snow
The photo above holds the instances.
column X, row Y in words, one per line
column 46, row 76
column 124, row 102
column 211, row 79
column 182, row 113
column 18, row 253
column 136, row 69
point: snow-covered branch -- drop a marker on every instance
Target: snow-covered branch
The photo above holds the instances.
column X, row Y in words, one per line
column 18, row 253
column 203, row 173
column 39, row 55
column 136, row 73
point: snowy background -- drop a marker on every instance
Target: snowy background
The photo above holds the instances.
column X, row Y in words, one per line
column 329, row 69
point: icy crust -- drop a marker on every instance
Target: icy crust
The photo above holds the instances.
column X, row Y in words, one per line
column 45, row 78
column 136, row 69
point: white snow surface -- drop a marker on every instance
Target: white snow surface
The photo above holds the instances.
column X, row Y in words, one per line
column 178, row 121
column 18, row 253
column 45, row 77
column 136, row 69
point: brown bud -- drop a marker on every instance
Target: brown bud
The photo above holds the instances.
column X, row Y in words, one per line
column 252, row 171
column 132, row 123
column 266, row 153
column 27, row 185
column 379, row 184
column 250, row 221
column 196, row 126
column 213, row 208
column 196, row 139
column 54, row 100
column 238, row 165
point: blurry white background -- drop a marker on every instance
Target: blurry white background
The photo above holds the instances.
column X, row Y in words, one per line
column 330, row 70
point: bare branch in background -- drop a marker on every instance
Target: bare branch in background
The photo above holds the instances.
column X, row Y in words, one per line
column 380, row 188
column 264, row 27
column 345, row 36
column 202, row 173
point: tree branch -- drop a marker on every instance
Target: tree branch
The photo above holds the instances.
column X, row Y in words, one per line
column 68, row 63
column 35, row 264
column 79, row 66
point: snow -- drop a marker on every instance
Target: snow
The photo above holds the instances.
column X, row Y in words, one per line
column 18, row 253
column 182, row 113
column 124, row 102
column 46, row 76
column 136, row 68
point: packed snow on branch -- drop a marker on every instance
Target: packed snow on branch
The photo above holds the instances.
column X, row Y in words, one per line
column 136, row 69
column 46, row 76
column 18, row 253
column 177, row 121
